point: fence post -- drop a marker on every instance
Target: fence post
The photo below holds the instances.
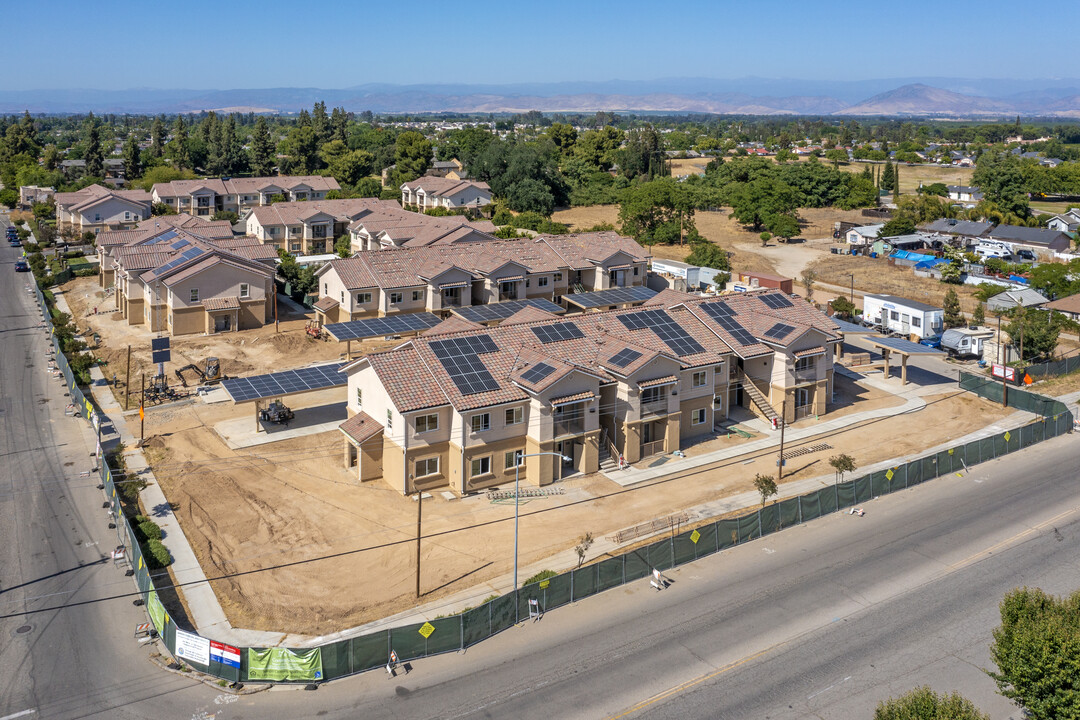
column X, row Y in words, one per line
column 759, row 534
column 572, row 573
column 836, row 492
column 800, row 510
column 461, row 644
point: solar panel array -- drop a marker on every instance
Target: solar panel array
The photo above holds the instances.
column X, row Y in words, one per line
column 776, row 301
column 288, row 382
column 557, row 333
column 611, row 296
column 850, row 327
column 164, row 237
column 906, row 346
column 725, row 318
column 624, row 357
column 674, row 336
column 380, row 327
column 778, row 331
column 186, row 256
column 537, row 372
column 460, row 358
column 503, row 310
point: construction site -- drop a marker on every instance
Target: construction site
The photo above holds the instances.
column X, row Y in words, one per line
column 331, row 552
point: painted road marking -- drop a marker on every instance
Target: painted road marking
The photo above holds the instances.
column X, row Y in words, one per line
column 24, row 713
column 814, row 695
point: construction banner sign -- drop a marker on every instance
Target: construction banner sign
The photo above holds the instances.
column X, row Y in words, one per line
column 282, row 664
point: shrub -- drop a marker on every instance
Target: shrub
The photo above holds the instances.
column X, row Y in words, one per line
column 157, row 555
column 542, row 575
column 149, row 530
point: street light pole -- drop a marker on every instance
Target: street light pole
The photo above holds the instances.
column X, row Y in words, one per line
column 517, row 479
column 852, row 276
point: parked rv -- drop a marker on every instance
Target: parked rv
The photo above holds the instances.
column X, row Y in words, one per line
column 900, row 316
column 966, row 342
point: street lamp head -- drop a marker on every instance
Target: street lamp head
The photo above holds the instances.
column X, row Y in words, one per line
column 567, row 459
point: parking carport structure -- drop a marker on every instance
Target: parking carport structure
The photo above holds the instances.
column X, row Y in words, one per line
column 282, row 384
column 904, row 348
column 849, row 330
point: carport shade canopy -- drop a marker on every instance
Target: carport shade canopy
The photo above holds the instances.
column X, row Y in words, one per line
column 381, row 327
column 851, row 328
column 906, row 348
column 502, row 310
column 288, row 382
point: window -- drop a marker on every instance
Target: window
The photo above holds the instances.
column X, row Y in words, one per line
column 318, row 231
column 396, row 298
column 363, row 298
column 480, row 466
column 636, row 269
column 389, row 419
column 698, row 417
column 513, row 459
column 894, row 315
column 417, row 295
column 515, row 416
column 326, row 288
column 342, row 297
column 245, row 291
column 427, row 466
column 806, row 363
column 651, row 395
column 359, row 399
column 541, row 282
column 916, row 322
column 558, row 277
column 194, row 295
column 700, row 379
column 427, row 423
column 481, row 422
column 295, row 247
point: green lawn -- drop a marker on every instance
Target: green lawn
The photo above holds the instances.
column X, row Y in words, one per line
column 78, row 262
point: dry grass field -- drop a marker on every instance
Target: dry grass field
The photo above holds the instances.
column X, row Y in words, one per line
column 912, row 175
column 878, row 276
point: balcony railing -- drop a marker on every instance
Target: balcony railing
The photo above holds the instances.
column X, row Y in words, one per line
column 652, row 448
column 569, row 427
column 449, row 302
column 504, row 296
column 807, row 375
column 656, row 407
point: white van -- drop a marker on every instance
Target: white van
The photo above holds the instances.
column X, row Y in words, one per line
column 993, row 250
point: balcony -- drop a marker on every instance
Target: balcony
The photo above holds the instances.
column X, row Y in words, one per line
column 568, row 425
column 451, row 302
column 654, row 407
column 806, row 375
column 652, row 448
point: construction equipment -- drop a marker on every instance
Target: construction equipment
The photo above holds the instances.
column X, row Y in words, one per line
column 315, row 330
column 276, row 412
column 212, row 374
column 159, row 391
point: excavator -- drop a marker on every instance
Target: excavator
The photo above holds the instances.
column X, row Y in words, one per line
column 212, row 373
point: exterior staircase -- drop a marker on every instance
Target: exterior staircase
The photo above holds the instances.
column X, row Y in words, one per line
column 607, row 463
column 758, row 398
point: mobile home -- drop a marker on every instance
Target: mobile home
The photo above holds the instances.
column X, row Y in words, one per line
column 902, row 316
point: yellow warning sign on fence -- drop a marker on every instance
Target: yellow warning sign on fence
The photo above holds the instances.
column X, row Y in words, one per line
column 1007, row 436
column 695, row 536
column 544, row 584
column 950, row 451
column 889, row 475
column 426, row 629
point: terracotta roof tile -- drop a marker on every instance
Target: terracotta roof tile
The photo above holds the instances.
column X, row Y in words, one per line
column 360, row 428
column 221, row 303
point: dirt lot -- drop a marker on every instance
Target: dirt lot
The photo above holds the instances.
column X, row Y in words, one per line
column 689, row 166
column 912, row 175
column 293, row 501
column 875, row 275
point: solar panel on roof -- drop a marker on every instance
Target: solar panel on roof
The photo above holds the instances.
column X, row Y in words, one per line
column 779, row 330
column 186, row 256
column 557, row 333
column 725, row 318
column 672, row 334
column 287, row 382
column 380, row 327
column 537, row 372
column 776, row 301
column 460, row 359
column 503, row 310
column 611, row 296
column 624, row 357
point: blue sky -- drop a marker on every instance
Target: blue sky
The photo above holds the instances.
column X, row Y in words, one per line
column 200, row 44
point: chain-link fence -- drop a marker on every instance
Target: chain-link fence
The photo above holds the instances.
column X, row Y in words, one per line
column 1053, row 368
column 472, row 625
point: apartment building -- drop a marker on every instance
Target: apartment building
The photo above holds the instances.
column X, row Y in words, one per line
column 204, row 197
column 310, row 227
column 147, row 230
column 440, row 277
column 432, row 192
column 397, row 228
column 96, row 208
column 465, row 408
column 181, row 283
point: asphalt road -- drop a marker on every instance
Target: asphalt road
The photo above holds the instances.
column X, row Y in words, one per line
column 822, row 620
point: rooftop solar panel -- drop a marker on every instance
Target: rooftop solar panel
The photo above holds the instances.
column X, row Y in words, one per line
column 725, row 318
column 905, row 346
column 537, row 372
column 778, row 331
column 501, row 311
column 460, row 358
column 259, row 387
column 673, row 335
column 381, row 327
column 624, row 357
column 557, row 332
column 611, row 296
column 776, row 301
column 850, row 327
column 186, row 256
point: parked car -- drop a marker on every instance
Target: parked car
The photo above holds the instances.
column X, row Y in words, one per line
column 22, row 266
column 933, row 341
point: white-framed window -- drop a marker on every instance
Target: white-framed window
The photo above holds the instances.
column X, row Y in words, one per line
column 894, row 315
column 513, row 459
column 515, row 416
column 342, row 297
column 481, row 422
column 541, row 282
column 653, row 394
column 700, row 379
column 326, row 288
column 396, row 298
column 194, row 295
column 697, row 417
column 427, row 466
column 480, row 466
column 427, row 423
column 359, row 398
column 363, row 298
column 389, row 419
column 558, row 277
column 294, row 247
column 916, row 322
column 806, row 363
column 417, row 295
column 245, row 291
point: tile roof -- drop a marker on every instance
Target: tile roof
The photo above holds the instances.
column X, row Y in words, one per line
column 528, row 314
column 1068, row 304
column 241, row 186
column 221, row 303
column 326, row 303
column 576, row 397
column 93, row 194
column 295, row 213
column 452, row 324
column 443, row 187
column 360, row 427
column 809, row 352
column 653, row 382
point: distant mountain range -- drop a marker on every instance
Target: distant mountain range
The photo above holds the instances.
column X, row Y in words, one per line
column 913, row 97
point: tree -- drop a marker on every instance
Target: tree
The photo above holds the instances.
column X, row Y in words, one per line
column 182, row 154
column 657, row 212
column 899, row 225
column 95, row 160
column 954, row 317
column 530, row 196
column 837, row 156
column 228, row 215
column 765, row 237
column 706, row 254
column 132, row 159
column 157, row 136
column 809, row 277
column 783, row 226
column 979, row 316
column 582, row 547
column 754, row 202
column 412, row 155
column 343, row 246
column 1037, row 652
column 888, row 177
column 1036, row 330
column 922, row 703
column 302, row 149
column 843, row 307
column 766, row 486
column 841, row 464
column 261, row 149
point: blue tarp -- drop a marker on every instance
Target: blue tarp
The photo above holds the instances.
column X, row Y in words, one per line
column 932, row 262
column 908, row 255
column 1017, row 278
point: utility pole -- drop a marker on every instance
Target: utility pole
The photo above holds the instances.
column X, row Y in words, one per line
column 277, row 326
column 142, row 413
column 783, row 423
column 852, row 290
column 127, row 380
column 419, row 509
